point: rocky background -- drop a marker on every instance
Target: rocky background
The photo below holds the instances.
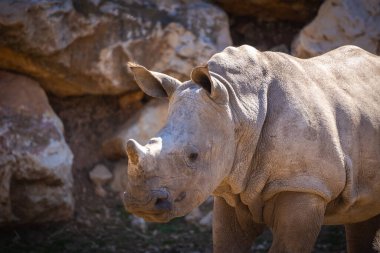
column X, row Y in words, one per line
column 68, row 103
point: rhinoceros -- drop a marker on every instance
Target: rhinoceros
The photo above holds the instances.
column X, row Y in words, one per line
column 280, row 142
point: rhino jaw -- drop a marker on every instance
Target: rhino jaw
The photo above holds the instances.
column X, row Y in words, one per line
column 154, row 206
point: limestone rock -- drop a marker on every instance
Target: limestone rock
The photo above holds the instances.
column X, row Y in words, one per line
column 141, row 127
column 139, row 223
column 202, row 215
column 35, row 161
column 206, row 221
column 301, row 10
column 78, row 47
column 131, row 97
column 194, row 216
column 338, row 23
column 100, row 175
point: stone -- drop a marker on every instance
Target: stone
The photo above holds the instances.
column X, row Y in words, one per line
column 35, row 161
column 138, row 223
column 119, row 176
column 194, row 216
column 206, row 221
column 145, row 124
column 82, row 47
column 341, row 22
column 131, row 97
column 271, row 10
column 202, row 215
column 264, row 35
column 100, row 175
column 88, row 121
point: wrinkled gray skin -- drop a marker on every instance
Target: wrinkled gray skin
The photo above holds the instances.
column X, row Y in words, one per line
column 279, row 141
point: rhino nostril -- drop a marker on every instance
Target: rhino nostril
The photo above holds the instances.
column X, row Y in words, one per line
column 180, row 197
column 163, row 204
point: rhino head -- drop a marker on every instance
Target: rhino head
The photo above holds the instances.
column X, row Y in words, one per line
column 180, row 167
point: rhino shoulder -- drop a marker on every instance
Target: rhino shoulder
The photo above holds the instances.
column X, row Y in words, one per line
column 348, row 52
column 235, row 55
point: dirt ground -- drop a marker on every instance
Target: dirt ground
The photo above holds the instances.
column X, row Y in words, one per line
column 110, row 231
column 102, row 224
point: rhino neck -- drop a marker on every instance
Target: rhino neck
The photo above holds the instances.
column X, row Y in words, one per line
column 248, row 101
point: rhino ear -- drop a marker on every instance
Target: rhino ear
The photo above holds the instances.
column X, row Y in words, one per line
column 216, row 90
column 153, row 83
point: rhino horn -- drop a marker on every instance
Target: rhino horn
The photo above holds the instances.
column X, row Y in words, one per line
column 153, row 83
column 135, row 151
column 216, row 89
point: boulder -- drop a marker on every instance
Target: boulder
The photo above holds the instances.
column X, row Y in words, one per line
column 144, row 125
column 302, row 10
column 78, row 47
column 341, row 22
column 35, row 161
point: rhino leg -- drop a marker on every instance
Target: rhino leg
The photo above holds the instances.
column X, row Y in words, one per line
column 360, row 235
column 295, row 220
column 233, row 229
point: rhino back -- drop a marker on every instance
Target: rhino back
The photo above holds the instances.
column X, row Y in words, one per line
column 320, row 132
column 323, row 130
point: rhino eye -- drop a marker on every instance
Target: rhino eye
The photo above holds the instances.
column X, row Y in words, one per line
column 193, row 156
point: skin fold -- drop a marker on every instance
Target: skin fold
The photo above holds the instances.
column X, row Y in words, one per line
column 282, row 142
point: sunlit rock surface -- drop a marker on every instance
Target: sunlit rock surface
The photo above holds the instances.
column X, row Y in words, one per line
column 78, row 47
column 35, row 161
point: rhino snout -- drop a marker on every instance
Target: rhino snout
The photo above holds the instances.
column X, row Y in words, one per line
column 156, row 202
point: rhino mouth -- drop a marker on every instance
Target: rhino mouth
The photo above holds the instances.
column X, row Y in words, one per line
column 156, row 206
column 160, row 217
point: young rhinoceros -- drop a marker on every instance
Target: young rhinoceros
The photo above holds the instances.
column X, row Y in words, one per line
column 279, row 141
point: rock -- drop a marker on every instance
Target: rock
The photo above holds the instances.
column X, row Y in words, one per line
column 131, row 97
column 302, row 10
column 194, row 216
column 141, row 127
column 88, row 121
column 81, row 47
column 202, row 215
column 35, row 161
column 119, row 176
column 341, row 22
column 139, row 223
column 206, row 221
column 100, row 175
column 209, row 201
